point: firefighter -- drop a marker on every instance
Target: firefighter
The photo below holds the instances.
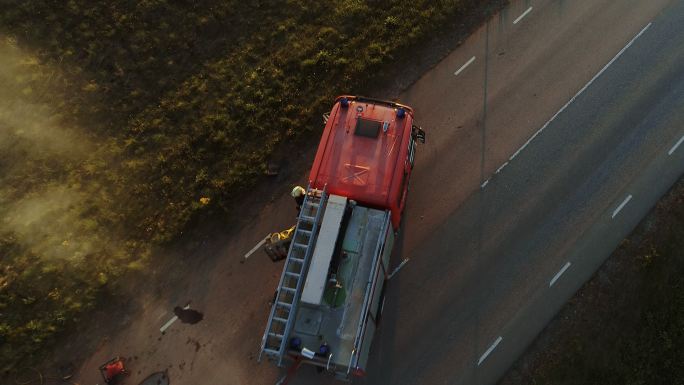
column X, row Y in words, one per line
column 298, row 194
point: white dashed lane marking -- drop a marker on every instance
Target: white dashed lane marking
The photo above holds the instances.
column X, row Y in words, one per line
column 674, row 148
column 490, row 350
column 617, row 210
column 558, row 275
column 463, row 67
column 516, row 21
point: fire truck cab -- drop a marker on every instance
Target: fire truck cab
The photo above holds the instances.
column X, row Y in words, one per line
column 367, row 152
column 330, row 295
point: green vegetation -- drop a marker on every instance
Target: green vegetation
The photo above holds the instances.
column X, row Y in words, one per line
column 626, row 328
column 122, row 121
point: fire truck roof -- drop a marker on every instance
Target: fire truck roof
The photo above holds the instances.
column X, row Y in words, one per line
column 362, row 150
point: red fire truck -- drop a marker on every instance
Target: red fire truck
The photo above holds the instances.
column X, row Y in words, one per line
column 330, row 295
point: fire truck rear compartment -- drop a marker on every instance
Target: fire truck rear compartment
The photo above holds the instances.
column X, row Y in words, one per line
column 337, row 321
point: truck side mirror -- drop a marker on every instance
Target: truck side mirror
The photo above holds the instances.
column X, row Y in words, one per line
column 418, row 133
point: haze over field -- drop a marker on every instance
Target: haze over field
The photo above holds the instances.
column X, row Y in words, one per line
column 44, row 207
column 54, row 241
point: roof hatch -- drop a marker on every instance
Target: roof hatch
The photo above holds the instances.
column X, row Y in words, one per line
column 368, row 128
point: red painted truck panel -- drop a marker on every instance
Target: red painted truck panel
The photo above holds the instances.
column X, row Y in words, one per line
column 363, row 153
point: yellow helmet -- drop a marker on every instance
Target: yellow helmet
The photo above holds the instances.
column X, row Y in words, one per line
column 298, row 191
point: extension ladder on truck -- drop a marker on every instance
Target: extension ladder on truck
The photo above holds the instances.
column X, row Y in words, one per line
column 284, row 308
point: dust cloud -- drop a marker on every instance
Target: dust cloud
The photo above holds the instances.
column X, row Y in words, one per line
column 29, row 113
column 46, row 205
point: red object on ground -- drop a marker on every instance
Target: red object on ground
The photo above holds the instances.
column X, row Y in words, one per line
column 114, row 369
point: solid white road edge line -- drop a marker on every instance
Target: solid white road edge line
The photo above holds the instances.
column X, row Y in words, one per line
column 171, row 321
column 483, row 185
column 555, row 277
column 523, row 15
column 463, row 67
column 498, row 170
column 491, row 348
column 617, row 210
column 674, row 148
column 396, row 270
column 581, row 90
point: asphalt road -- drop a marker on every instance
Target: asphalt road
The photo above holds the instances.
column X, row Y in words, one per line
column 543, row 153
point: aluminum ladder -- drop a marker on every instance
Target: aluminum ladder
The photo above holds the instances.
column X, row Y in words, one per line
column 284, row 309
